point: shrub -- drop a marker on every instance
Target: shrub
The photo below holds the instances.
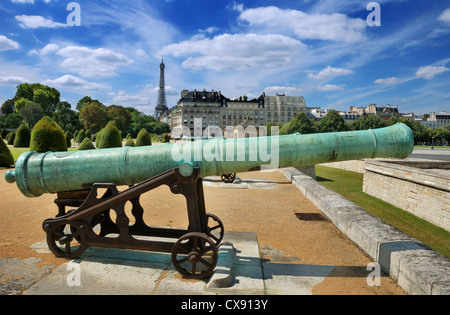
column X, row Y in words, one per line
column 143, row 139
column 23, row 137
column 99, row 138
column 75, row 135
column 80, row 136
column 110, row 137
column 6, row 157
column 47, row 136
column 130, row 143
column 165, row 138
column 69, row 138
column 86, row 145
column 4, row 133
column 11, row 138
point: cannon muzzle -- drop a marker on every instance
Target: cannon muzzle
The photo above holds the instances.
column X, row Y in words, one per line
column 38, row 174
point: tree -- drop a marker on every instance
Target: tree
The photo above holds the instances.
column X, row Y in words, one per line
column 43, row 95
column 83, row 102
column 143, row 139
column 333, row 122
column 47, row 136
column 32, row 113
column 301, row 124
column 120, row 115
column 110, row 137
column 6, row 157
column 67, row 118
column 47, row 98
column 94, row 116
column 23, row 136
column 8, row 107
column 367, row 122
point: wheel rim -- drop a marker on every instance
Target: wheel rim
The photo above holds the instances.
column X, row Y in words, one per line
column 66, row 240
column 195, row 256
column 216, row 229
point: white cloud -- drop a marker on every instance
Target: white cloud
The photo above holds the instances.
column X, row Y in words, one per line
column 69, row 81
column 430, row 72
column 48, row 49
column 329, row 73
column 7, row 44
column 92, row 62
column 235, row 52
column 288, row 90
column 123, row 98
column 23, row 1
column 445, row 16
column 335, row 27
column 36, row 21
column 331, row 87
column 12, row 80
column 388, row 81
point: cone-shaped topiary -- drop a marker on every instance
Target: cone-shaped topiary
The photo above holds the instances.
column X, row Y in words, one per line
column 143, row 139
column 86, row 145
column 80, row 136
column 165, row 138
column 99, row 138
column 110, row 137
column 11, row 138
column 23, row 137
column 130, row 143
column 6, row 157
column 4, row 133
column 69, row 138
column 47, row 136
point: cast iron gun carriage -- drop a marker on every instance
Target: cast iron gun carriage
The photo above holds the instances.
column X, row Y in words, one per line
column 100, row 219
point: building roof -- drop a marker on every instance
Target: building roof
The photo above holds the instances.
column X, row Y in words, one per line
column 203, row 96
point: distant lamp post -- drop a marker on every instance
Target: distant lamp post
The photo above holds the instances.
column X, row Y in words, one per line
column 432, row 143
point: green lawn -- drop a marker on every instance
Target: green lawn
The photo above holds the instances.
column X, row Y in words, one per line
column 349, row 185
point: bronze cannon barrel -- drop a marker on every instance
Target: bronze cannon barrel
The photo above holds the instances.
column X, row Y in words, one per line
column 54, row 172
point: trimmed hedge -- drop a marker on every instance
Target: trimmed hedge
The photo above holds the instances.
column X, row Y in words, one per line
column 130, row 143
column 69, row 137
column 47, row 136
column 23, row 137
column 143, row 139
column 6, row 157
column 80, row 136
column 11, row 137
column 86, row 145
column 110, row 137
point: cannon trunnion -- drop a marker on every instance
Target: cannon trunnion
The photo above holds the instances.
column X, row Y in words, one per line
column 194, row 251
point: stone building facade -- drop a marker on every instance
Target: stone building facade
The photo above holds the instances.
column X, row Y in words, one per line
column 217, row 110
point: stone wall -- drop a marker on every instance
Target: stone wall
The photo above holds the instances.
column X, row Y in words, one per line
column 423, row 192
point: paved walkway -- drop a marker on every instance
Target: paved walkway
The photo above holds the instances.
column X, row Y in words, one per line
column 267, row 249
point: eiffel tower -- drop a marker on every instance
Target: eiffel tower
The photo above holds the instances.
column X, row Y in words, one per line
column 161, row 108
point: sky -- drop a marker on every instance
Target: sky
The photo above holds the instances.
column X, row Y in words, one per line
column 336, row 54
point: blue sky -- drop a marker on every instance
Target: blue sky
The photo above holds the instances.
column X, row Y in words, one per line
column 323, row 50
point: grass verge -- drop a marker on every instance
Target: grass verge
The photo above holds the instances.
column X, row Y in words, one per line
column 349, row 185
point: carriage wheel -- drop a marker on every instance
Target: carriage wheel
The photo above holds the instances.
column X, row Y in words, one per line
column 215, row 225
column 229, row 178
column 195, row 256
column 62, row 245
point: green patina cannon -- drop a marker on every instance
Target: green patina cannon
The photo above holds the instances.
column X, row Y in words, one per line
column 78, row 177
